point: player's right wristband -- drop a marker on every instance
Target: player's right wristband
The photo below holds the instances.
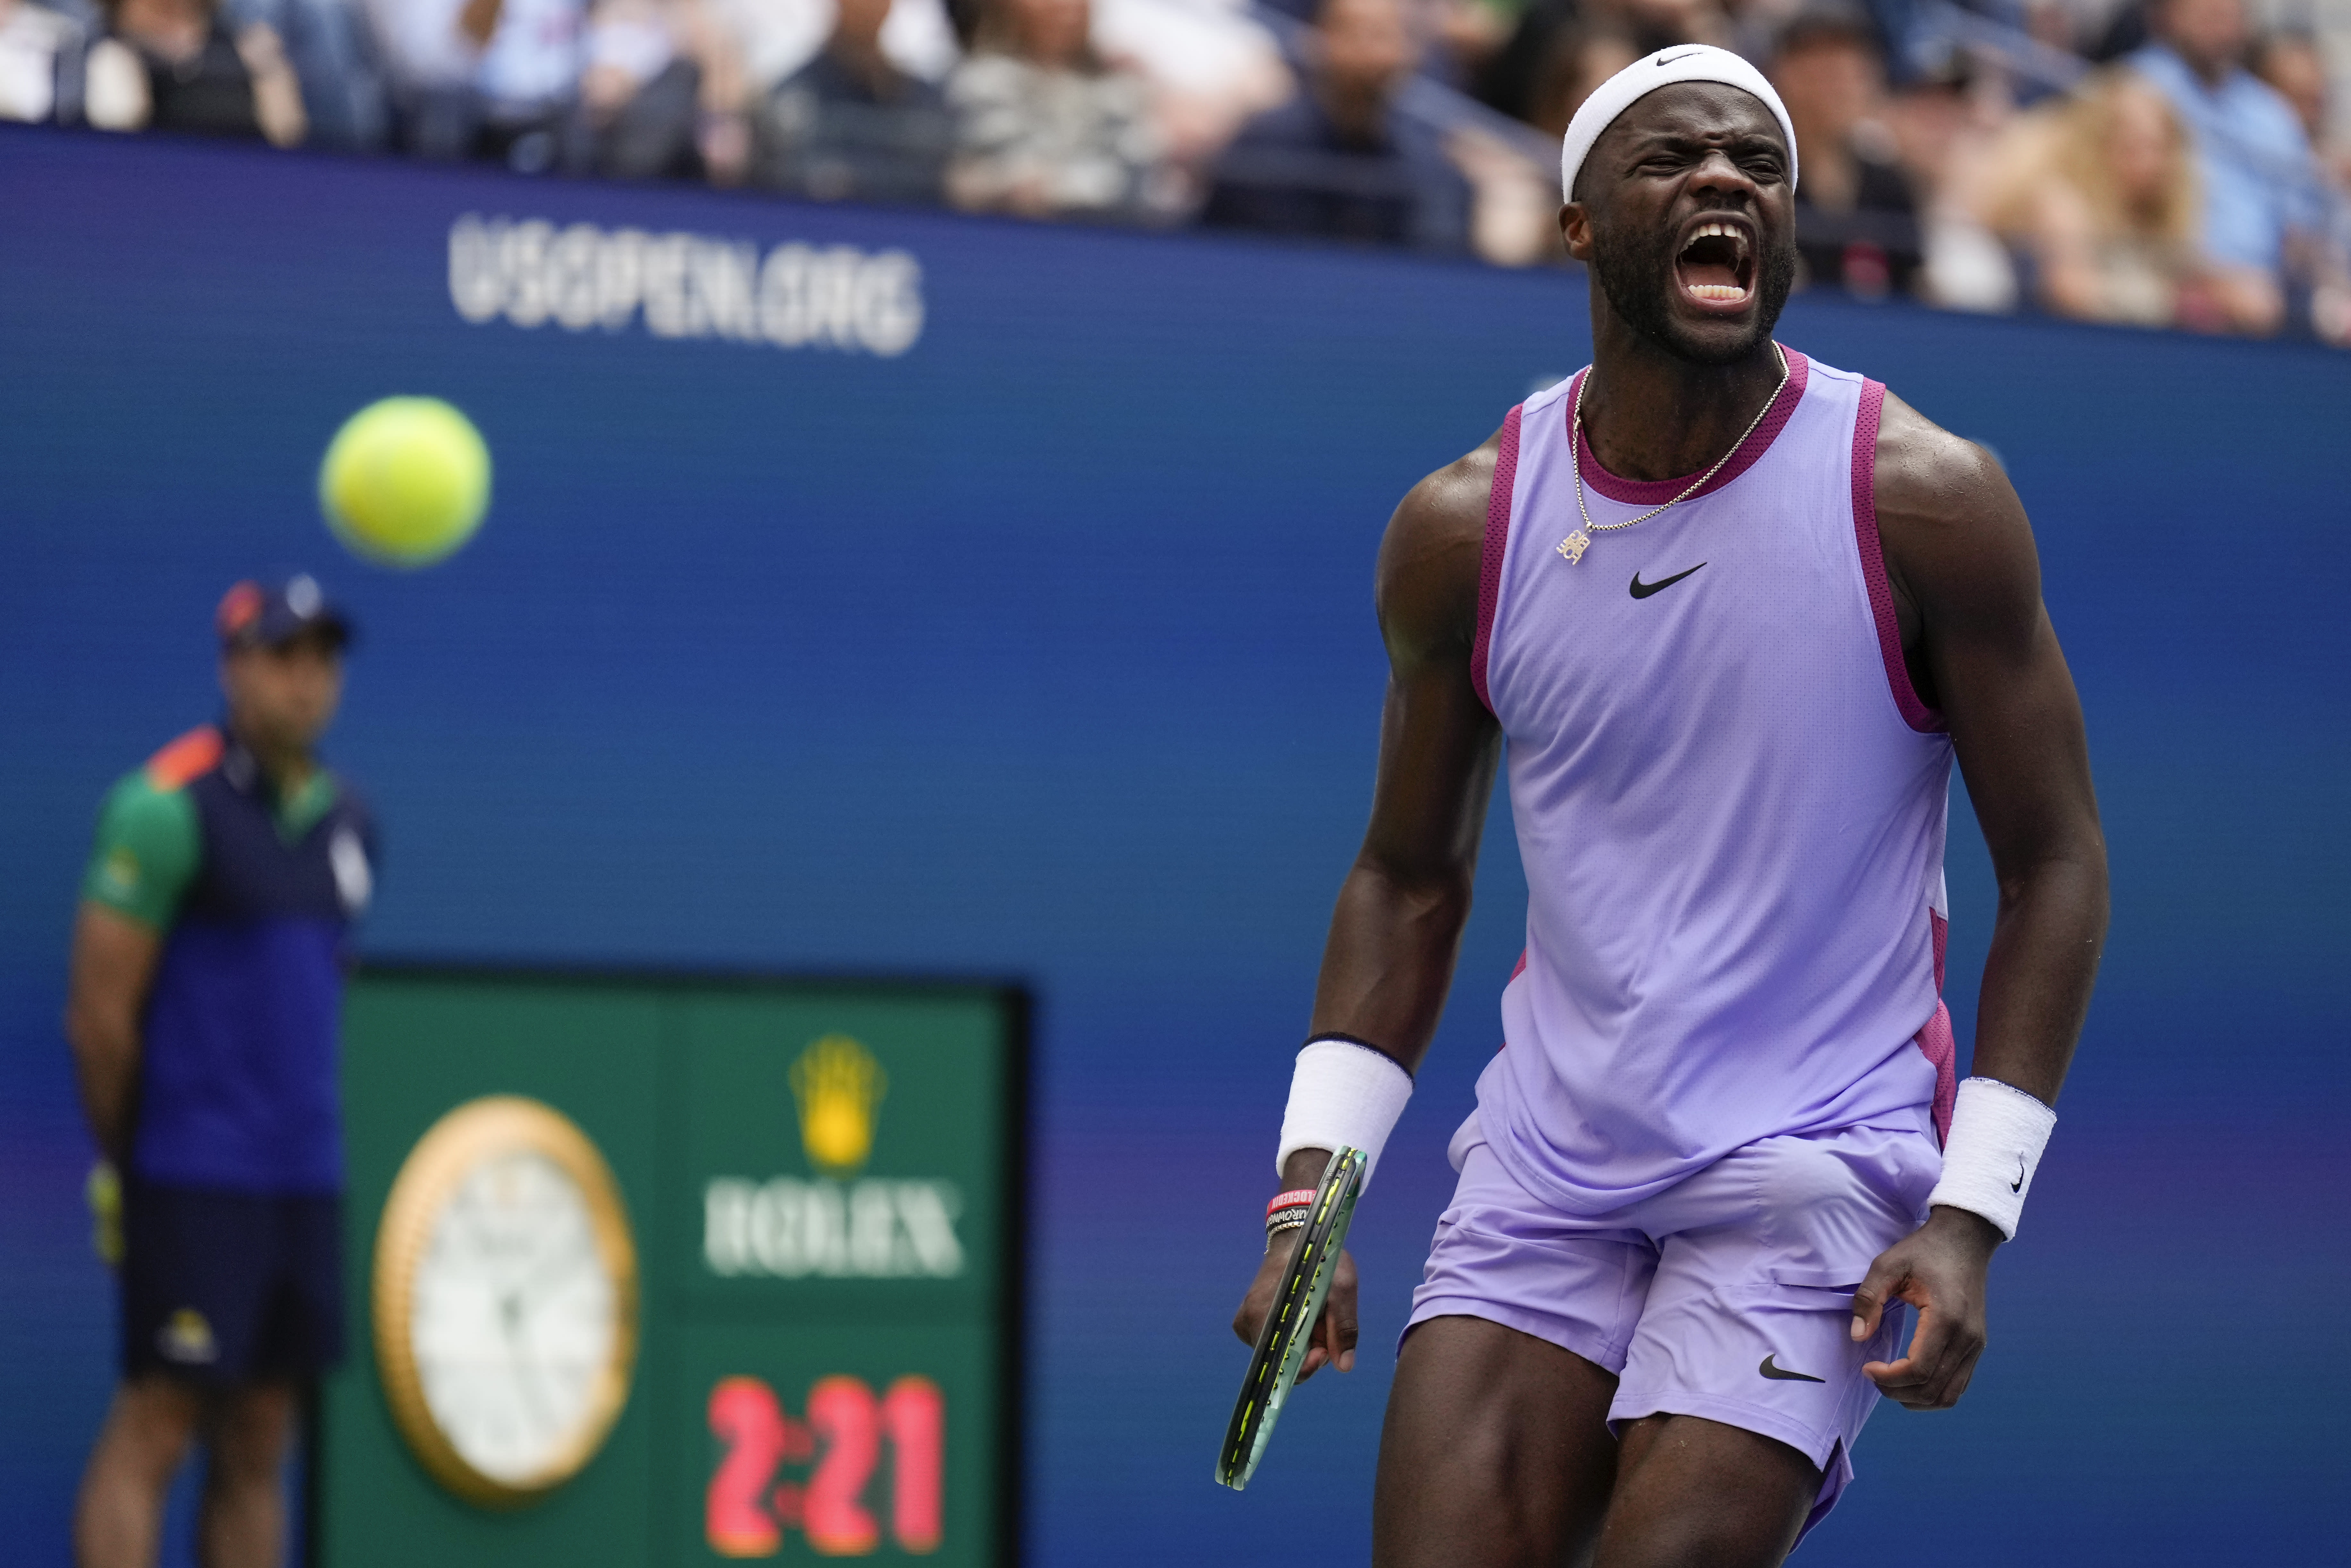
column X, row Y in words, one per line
column 1344, row 1095
column 1998, row 1133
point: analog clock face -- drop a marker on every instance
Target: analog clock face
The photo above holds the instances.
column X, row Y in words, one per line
column 506, row 1300
column 513, row 1317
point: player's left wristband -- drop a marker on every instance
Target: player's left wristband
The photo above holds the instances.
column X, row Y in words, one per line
column 1998, row 1133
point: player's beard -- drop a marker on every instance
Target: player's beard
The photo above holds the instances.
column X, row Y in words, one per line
column 1637, row 272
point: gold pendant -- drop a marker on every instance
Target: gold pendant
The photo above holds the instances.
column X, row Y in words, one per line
column 1574, row 546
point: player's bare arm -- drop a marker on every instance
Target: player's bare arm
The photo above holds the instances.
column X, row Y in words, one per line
column 1397, row 926
column 1980, row 646
column 113, row 964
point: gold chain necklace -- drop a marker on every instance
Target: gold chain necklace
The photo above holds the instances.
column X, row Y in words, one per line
column 1576, row 544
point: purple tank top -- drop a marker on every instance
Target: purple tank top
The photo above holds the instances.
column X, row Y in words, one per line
column 1729, row 806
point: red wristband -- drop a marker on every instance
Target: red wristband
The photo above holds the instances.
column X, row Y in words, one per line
column 1286, row 1199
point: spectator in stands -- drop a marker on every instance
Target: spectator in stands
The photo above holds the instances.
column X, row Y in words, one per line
column 174, row 65
column 1465, row 35
column 1856, row 218
column 1948, row 125
column 489, row 79
column 40, row 53
column 1661, row 24
column 750, row 48
column 2292, row 63
column 1045, row 128
column 2098, row 192
column 1551, row 35
column 1506, row 81
column 327, row 43
column 1579, row 59
column 771, row 40
column 641, row 94
column 1211, row 66
column 2253, row 160
column 1752, row 27
column 852, row 123
column 1338, row 160
column 1514, row 200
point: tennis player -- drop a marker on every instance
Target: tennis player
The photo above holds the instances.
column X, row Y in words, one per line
column 1734, row 613
column 203, row 1011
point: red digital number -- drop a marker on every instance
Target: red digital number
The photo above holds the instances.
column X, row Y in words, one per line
column 841, row 1412
column 742, row 1518
column 914, row 1411
column 744, row 1417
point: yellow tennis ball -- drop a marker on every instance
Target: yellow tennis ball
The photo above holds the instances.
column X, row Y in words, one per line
column 405, row 481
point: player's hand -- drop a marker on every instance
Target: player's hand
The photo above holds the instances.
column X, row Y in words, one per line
column 1942, row 1269
column 1334, row 1332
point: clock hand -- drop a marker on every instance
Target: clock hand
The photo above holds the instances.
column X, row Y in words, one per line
column 526, row 1378
column 555, row 1264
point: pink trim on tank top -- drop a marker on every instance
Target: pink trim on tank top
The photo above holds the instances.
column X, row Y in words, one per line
column 1937, row 1041
column 1915, row 712
column 1498, row 540
column 1657, row 492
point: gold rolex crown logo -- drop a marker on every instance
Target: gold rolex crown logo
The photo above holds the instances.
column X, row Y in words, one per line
column 837, row 1084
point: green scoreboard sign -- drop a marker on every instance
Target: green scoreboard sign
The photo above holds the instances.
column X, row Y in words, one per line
column 671, row 1271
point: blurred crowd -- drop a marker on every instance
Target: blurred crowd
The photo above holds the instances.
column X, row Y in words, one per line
column 2179, row 163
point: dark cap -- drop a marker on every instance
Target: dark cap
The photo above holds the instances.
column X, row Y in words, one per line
column 254, row 616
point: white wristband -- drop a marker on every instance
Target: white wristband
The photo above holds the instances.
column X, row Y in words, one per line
column 1342, row 1095
column 1997, row 1135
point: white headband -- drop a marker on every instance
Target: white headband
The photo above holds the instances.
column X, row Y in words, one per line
column 1683, row 62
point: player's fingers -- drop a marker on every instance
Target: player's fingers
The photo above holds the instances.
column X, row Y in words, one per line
column 1906, row 1377
column 1903, row 1381
column 1248, row 1318
column 1929, row 1376
column 1931, row 1343
column 1877, row 1288
column 1315, row 1356
column 1955, row 1383
column 1326, row 1334
column 1338, row 1316
column 1951, row 1372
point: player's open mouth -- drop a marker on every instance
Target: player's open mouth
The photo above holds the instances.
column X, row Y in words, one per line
column 1716, row 264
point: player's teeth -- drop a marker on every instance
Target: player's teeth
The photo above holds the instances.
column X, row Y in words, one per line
column 1718, row 291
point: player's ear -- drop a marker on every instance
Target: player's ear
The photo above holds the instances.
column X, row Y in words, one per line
column 1575, row 228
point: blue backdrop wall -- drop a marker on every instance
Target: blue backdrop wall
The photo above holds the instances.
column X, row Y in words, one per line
column 974, row 597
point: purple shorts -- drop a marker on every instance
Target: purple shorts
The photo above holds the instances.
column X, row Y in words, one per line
column 1728, row 1296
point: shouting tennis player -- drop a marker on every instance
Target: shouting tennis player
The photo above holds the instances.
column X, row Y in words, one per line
column 1735, row 612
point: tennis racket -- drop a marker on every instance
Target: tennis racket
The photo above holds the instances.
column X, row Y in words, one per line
column 1282, row 1342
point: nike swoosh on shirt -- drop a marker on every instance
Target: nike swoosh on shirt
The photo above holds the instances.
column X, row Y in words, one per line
column 1643, row 589
column 1784, row 1375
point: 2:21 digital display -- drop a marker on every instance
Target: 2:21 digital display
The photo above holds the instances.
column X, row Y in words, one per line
column 747, row 1510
